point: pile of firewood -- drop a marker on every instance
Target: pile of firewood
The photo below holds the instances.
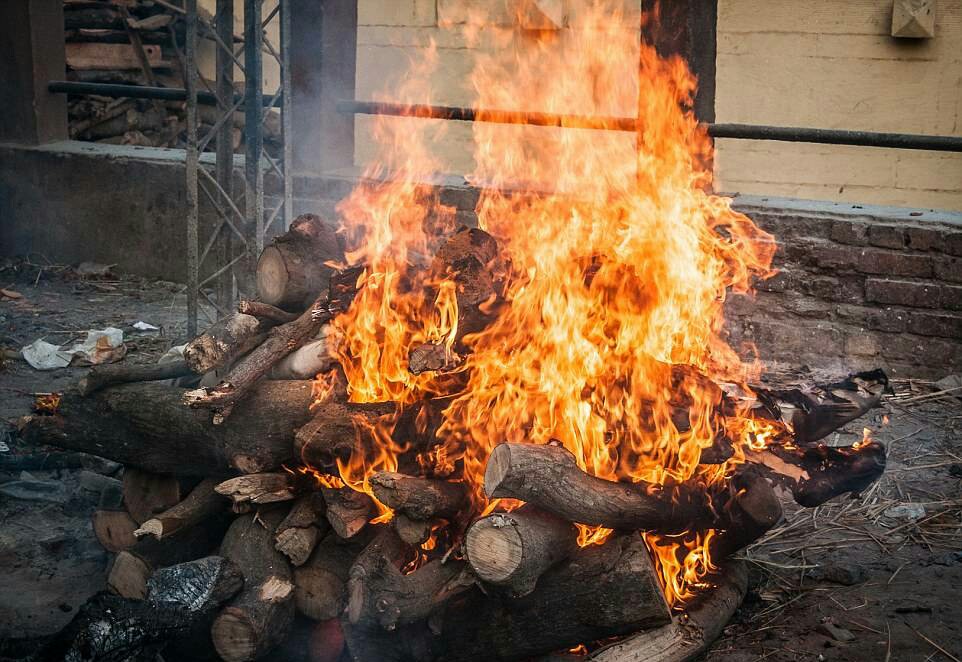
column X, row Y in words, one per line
column 245, row 467
column 138, row 42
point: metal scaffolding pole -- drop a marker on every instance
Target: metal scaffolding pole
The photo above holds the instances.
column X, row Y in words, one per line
column 192, row 157
column 222, row 264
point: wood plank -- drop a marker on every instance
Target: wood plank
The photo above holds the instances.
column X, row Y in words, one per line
column 90, row 55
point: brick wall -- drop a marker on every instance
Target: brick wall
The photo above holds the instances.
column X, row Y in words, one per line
column 858, row 286
column 856, row 289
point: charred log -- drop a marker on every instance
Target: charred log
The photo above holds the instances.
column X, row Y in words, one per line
column 332, row 431
column 347, row 511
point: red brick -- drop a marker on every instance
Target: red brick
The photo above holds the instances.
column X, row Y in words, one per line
column 780, row 282
column 861, row 343
column 835, row 257
column 886, row 236
column 936, row 324
column 905, row 293
column 952, row 243
column 949, row 269
column 952, row 297
column 848, row 232
column 894, row 263
column 890, row 320
column 846, row 289
column 923, row 239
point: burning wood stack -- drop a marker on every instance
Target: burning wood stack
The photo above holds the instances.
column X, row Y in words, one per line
column 279, row 477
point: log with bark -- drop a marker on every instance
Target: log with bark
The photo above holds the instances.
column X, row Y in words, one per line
column 292, row 271
column 302, row 528
column 259, row 617
column 514, row 549
column 689, row 634
column 258, row 489
column 228, row 338
column 145, row 425
column 265, row 312
column 548, row 477
column 244, row 376
column 380, row 595
column 102, row 376
column 320, row 585
column 202, row 503
column 332, row 431
column 147, row 494
column 418, row 498
column 601, row 591
column 347, row 510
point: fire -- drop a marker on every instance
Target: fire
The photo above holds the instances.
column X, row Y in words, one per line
column 620, row 260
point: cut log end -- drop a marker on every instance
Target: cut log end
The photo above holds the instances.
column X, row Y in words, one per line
column 495, row 549
column 235, row 636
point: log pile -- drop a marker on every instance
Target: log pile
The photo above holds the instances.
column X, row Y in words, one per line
column 138, row 42
column 241, row 485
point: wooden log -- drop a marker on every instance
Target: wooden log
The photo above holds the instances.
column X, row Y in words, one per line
column 306, row 362
column 281, row 341
column 225, row 341
column 412, row 531
column 259, row 617
column 114, row 529
column 179, row 602
column 302, row 528
column 101, row 376
column 817, row 474
column 265, row 311
column 145, row 425
column 601, row 591
column 128, row 576
column 418, row 498
column 320, row 585
column 548, row 477
column 347, row 511
column 331, row 433
column 380, row 595
column 185, row 545
column 258, row 489
column 202, row 503
column 751, row 509
column 147, row 494
column 690, row 634
column 291, row 272
column 514, row 549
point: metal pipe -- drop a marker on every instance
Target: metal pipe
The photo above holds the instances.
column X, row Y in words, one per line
column 734, row 131
column 117, row 91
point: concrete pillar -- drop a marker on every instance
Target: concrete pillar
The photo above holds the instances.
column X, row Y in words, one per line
column 31, row 54
column 323, row 51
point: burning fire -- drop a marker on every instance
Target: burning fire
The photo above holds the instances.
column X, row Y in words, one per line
column 615, row 267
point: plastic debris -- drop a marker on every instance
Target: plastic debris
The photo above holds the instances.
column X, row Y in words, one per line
column 100, row 346
column 144, row 326
column 906, row 511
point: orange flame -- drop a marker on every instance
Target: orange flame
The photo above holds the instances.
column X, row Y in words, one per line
column 619, row 266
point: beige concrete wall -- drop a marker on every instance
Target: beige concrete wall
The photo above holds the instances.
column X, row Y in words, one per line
column 832, row 64
column 828, row 63
column 207, row 50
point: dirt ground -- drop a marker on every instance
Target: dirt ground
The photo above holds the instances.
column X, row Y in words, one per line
column 872, row 578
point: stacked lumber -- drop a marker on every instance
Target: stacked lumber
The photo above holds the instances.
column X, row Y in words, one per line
column 138, row 42
column 403, row 566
